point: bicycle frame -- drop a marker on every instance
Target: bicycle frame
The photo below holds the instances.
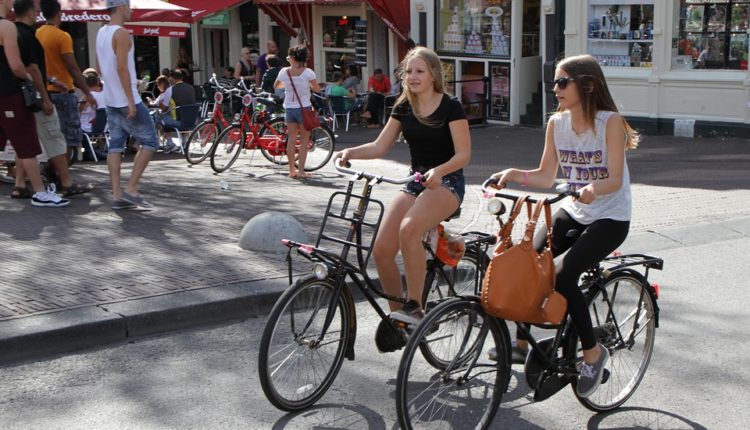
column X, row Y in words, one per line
column 337, row 267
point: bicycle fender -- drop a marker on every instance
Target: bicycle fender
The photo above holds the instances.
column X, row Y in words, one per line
column 349, row 348
column 644, row 283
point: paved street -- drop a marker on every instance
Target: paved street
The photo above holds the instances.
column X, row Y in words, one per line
column 206, row 378
column 86, row 276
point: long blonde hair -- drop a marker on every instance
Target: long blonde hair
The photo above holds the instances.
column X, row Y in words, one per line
column 594, row 92
column 436, row 70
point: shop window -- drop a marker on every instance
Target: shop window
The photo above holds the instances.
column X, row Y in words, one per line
column 474, row 27
column 249, row 23
column 339, row 43
column 620, row 35
column 711, row 35
column 449, row 76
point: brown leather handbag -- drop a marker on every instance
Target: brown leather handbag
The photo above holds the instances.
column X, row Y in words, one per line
column 520, row 282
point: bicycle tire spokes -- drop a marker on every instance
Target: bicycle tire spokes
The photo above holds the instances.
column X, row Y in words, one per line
column 461, row 389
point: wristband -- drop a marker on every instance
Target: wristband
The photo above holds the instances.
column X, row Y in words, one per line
column 525, row 178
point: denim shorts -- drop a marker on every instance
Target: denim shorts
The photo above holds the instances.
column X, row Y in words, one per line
column 141, row 127
column 454, row 182
column 293, row 115
column 66, row 105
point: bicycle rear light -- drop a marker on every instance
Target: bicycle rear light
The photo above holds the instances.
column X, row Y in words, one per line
column 320, row 270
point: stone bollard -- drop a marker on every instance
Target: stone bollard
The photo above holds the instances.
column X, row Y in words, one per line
column 265, row 231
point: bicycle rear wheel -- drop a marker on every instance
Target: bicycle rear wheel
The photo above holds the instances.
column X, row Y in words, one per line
column 467, row 391
column 275, row 128
column 627, row 330
column 319, row 148
column 466, row 278
column 227, row 148
column 200, row 142
column 296, row 367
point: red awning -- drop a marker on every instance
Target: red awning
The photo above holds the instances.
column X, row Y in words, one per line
column 303, row 2
column 290, row 16
column 157, row 30
column 143, row 10
column 204, row 8
column 395, row 14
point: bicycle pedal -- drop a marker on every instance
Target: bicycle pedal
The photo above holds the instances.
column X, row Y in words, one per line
column 605, row 376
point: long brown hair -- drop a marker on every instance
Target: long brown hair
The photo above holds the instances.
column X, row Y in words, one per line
column 593, row 92
column 436, row 70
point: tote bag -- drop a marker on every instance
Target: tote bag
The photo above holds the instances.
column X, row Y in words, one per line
column 519, row 284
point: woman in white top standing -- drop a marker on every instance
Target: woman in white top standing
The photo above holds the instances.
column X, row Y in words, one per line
column 304, row 80
column 587, row 139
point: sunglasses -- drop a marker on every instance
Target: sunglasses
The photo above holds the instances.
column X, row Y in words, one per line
column 562, row 82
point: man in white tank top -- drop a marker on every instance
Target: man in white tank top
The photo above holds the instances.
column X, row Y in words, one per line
column 126, row 113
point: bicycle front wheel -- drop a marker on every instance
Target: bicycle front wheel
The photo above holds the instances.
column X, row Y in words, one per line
column 297, row 362
column 200, row 142
column 319, row 148
column 624, row 321
column 466, row 392
column 227, row 148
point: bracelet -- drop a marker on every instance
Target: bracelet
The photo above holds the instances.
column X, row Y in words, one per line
column 525, row 178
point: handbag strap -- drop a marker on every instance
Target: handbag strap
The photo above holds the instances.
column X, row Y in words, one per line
column 291, row 80
column 533, row 219
column 504, row 239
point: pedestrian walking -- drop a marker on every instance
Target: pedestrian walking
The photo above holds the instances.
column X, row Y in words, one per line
column 62, row 73
column 126, row 113
column 47, row 122
column 297, row 80
column 17, row 123
column 262, row 62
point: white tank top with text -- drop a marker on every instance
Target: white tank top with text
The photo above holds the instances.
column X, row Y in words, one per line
column 583, row 160
column 114, row 95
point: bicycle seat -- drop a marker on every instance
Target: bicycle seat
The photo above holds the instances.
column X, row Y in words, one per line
column 572, row 233
column 268, row 102
column 454, row 215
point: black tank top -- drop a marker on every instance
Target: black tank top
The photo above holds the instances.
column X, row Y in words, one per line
column 8, row 81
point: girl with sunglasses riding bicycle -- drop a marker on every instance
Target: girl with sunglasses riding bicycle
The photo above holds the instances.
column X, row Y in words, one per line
column 434, row 126
column 587, row 139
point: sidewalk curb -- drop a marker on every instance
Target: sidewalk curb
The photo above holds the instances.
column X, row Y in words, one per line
column 44, row 335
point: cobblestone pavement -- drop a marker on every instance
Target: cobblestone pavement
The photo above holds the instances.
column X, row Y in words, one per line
column 88, row 254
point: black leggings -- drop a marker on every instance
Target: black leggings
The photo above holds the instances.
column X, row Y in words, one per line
column 596, row 241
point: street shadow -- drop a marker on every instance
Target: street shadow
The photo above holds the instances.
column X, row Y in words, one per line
column 329, row 416
column 641, row 418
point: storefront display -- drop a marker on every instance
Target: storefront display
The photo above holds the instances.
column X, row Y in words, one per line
column 500, row 91
column 711, row 35
column 474, row 27
column 339, row 42
column 621, row 35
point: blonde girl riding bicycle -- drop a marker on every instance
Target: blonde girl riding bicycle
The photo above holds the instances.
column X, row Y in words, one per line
column 435, row 128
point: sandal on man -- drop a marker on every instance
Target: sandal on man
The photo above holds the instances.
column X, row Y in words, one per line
column 74, row 189
column 20, row 193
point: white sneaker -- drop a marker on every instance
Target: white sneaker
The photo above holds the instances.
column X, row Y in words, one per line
column 49, row 198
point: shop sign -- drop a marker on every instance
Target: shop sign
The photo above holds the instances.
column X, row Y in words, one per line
column 157, row 31
column 79, row 16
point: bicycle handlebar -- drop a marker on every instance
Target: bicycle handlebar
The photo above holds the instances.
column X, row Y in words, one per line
column 417, row 177
column 563, row 191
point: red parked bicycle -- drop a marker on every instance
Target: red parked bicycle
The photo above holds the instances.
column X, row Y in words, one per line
column 203, row 137
column 259, row 129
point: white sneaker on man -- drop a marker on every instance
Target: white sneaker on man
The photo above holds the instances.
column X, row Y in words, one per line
column 49, row 198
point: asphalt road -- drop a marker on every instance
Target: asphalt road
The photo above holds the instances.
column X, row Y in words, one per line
column 206, row 378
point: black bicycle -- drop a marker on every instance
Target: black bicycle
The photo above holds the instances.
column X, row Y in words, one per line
column 465, row 390
column 312, row 327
